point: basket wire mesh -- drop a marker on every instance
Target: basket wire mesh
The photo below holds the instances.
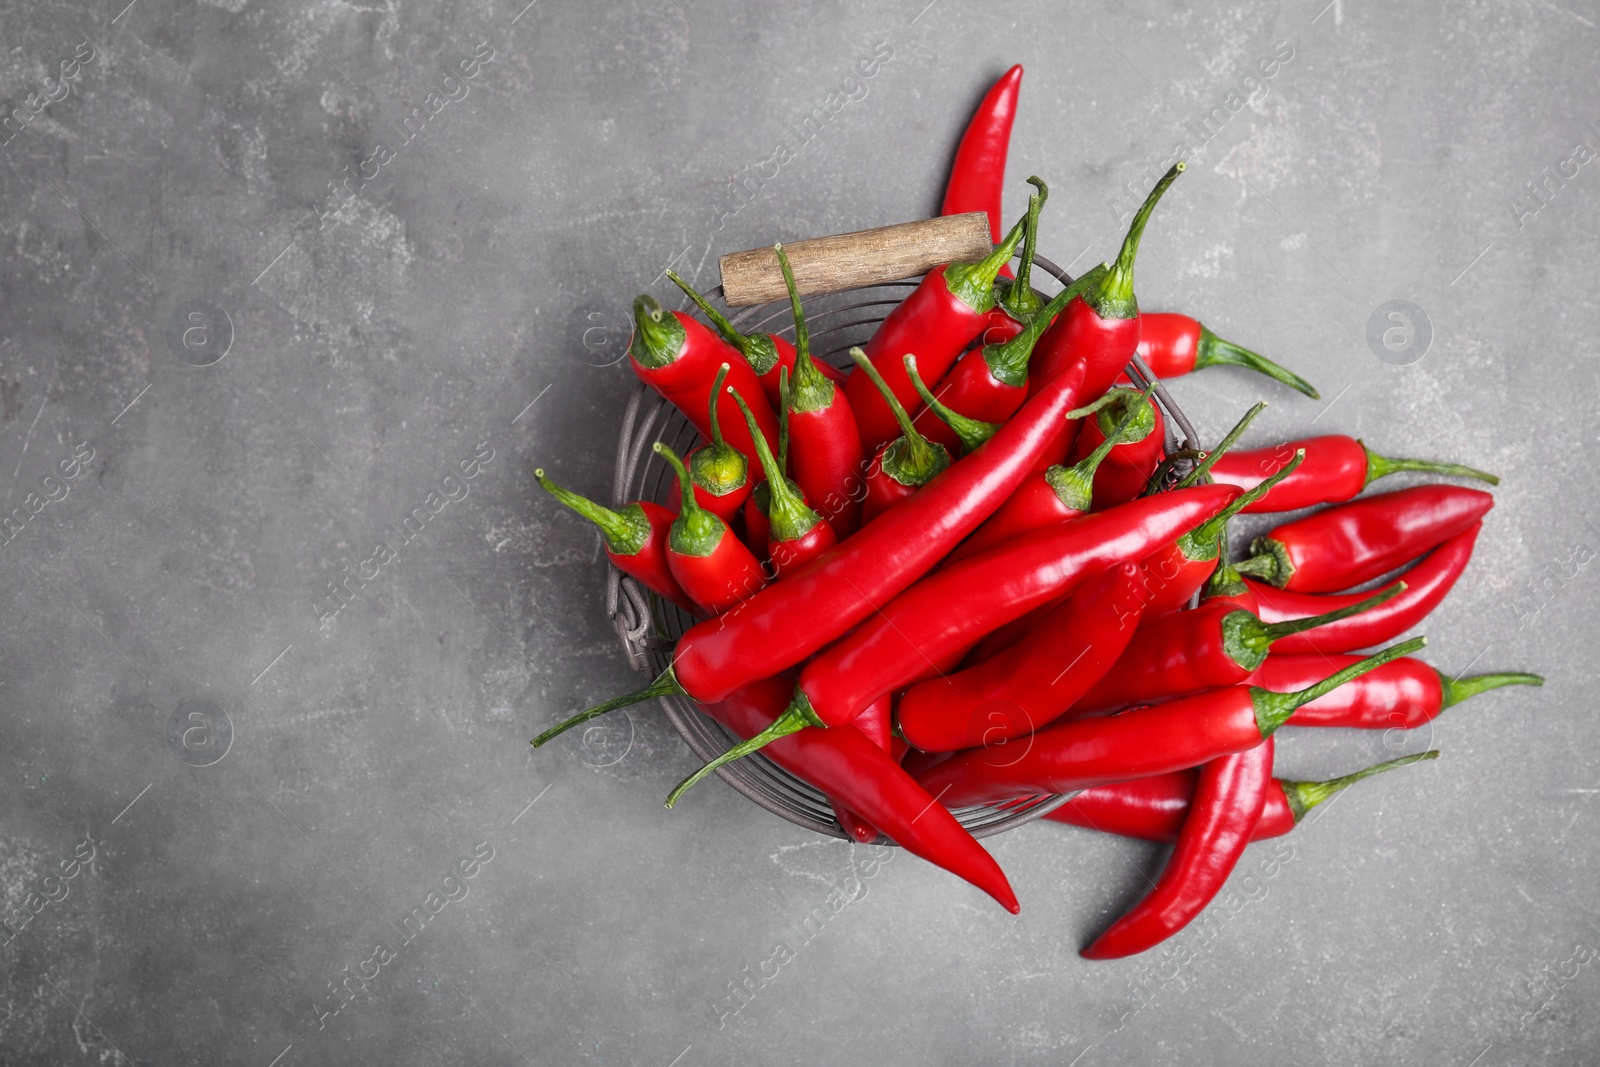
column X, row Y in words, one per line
column 649, row 626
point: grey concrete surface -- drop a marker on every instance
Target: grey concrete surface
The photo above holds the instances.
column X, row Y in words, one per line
column 468, row 306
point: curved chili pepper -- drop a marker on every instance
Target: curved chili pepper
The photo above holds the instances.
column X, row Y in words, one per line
column 767, row 353
column 905, row 464
column 978, row 174
column 1402, row 695
column 827, row 452
column 1174, row 345
column 846, row 584
column 713, row 566
column 1228, row 798
column 946, row 613
column 719, row 472
column 796, row 535
column 1207, row 648
column 949, row 610
column 1337, row 468
column 678, row 356
column 1101, row 328
column 937, row 321
column 1356, row 542
column 1083, row 753
column 1154, row 808
column 990, row 383
column 876, row 724
column 1176, row 571
column 1426, row 584
column 1030, row 684
column 636, row 540
column 1057, row 495
column 1126, row 471
column 1165, row 572
column 858, row 774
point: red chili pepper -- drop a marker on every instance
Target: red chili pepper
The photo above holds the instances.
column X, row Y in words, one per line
column 1126, row 472
column 1336, row 469
column 719, row 472
column 1212, row 646
column 713, row 566
column 796, row 535
column 846, row 584
column 1228, row 797
column 1402, row 695
column 1176, row 571
column 937, row 322
column 767, row 353
column 977, row 177
column 1083, row 753
column 990, row 383
column 905, row 464
column 1173, row 345
column 854, row 771
column 946, row 613
column 1055, row 496
column 1171, row 573
column 1101, row 328
column 1356, row 542
column 1030, row 684
column 827, row 453
column 949, row 610
column 678, row 356
column 636, row 540
column 1426, row 585
column 1154, row 808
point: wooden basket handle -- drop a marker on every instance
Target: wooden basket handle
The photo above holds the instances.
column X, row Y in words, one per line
column 851, row 260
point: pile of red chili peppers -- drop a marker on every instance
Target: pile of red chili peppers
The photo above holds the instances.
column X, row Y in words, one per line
column 971, row 570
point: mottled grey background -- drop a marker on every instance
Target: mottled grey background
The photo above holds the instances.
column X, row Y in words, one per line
column 1445, row 914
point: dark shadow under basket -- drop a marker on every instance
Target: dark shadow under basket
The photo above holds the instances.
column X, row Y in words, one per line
column 649, row 626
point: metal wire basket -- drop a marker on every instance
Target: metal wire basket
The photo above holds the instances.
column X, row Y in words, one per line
column 649, row 626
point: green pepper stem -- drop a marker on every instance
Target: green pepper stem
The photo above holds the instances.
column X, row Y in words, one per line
column 1228, row 441
column 783, row 418
column 1383, row 466
column 1019, row 300
column 666, row 684
column 1276, row 630
column 720, row 321
column 1271, row 562
column 972, row 432
column 1247, row 639
column 1274, row 709
column 1225, row 580
column 789, row 515
column 973, row 283
column 657, row 335
column 1074, row 485
column 1008, row 360
column 696, row 531
column 1303, row 796
column 1213, row 351
column 622, row 536
column 1114, row 297
column 1203, row 538
column 795, row 717
column 812, row 389
column 718, row 468
column 1458, row 689
column 917, row 458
